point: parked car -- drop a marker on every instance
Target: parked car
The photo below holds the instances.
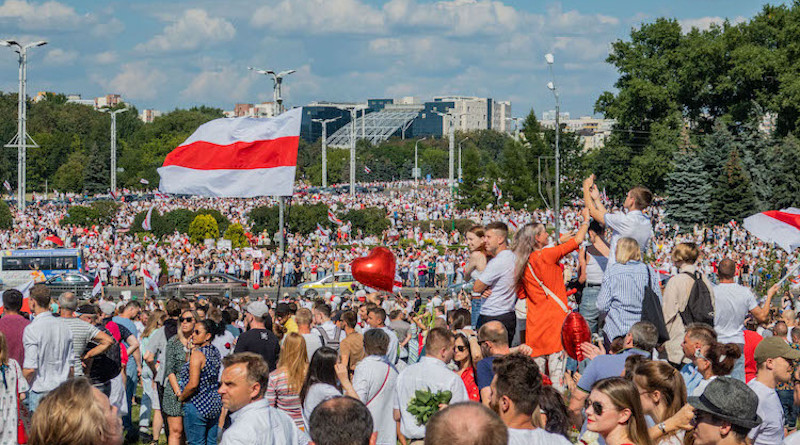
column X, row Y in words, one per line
column 337, row 284
column 80, row 284
column 207, row 284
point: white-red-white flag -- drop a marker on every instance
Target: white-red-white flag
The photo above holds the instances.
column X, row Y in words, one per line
column 7, row 185
column 323, row 231
column 98, row 286
column 781, row 227
column 496, row 190
column 367, row 170
column 512, row 224
column 144, row 181
column 147, row 224
column 149, row 283
column 332, row 218
column 236, row 157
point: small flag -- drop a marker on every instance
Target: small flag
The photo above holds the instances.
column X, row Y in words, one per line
column 512, row 224
column 367, row 170
column 732, row 223
column 144, row 181
column 160, row 195
column 114, row 195
column 98, row 286
column 55, row 240
column 149, row 283
column 147, row 224
column 7, row 186
column 496, row 190
column 332, row 218
column 323, row 231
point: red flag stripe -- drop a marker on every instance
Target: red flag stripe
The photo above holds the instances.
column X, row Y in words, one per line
column 201, row 155
column 792, row 219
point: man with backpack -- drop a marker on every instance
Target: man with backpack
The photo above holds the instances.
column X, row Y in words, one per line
column 259, row 337
column 330, row 334
column 688, row 299
column 102, row 368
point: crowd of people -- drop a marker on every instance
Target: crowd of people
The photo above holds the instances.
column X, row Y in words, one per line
column 680, row 347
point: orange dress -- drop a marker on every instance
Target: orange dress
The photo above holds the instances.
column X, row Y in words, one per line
column 545, row 316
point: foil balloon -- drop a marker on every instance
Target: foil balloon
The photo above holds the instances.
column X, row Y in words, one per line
column 574, row 331
column 375, row 270
column 256, row 286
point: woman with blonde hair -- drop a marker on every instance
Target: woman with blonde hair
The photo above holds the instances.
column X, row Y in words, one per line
column 614, row 411
column 662, row 393
column 149, row 392
column 540, row 281
column 12, row 392
column 75, row 413
column 283, row 388
column 622, row 292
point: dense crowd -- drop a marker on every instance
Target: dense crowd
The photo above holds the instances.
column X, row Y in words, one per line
column 679, row 346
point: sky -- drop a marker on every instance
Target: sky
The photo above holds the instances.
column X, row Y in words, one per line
column 175, row 54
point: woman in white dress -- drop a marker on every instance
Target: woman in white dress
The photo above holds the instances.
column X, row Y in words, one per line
column 13, row 385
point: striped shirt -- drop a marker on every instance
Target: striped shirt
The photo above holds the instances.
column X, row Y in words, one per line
column 82, row 334
column 280, row 396
column 621, row 296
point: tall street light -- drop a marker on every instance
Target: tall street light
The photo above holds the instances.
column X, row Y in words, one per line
column 114, row 147
column 416, row 162
column 277, row 102
column 277, row 79
column 325, row 123
column 20, row 141
column 452, row 138
column 552, row 87
column 460, row 177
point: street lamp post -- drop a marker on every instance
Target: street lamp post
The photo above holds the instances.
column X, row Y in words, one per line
column 325, row 123
column 452, row 147
column 277, row 108
column 114, row 147
column 552, row 87
column 416, row 162
column 20, row 141
column 460, row 177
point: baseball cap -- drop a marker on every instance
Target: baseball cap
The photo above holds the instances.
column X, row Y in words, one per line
column 257, row 308
column 107, row 307
column 773, row 347
column 731, row 400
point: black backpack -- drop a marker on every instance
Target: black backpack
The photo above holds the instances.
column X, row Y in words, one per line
column 699, row 308
column 652, row 311
column 107, row 365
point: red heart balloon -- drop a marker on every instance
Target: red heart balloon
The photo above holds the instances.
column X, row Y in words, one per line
column 574, row 331
column 376, row 269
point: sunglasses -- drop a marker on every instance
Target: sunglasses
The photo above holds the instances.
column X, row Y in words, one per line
column 198, row 332
column 461, row 348
column 596, row 407
column 186, row 319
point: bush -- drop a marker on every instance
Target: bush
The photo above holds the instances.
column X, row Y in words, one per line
column 203, row 227
column 299, row 219
column 97, row 213
column 235, row 233
column 181, row 218
column 371, row 221
column 222, row 221
column 160, row 224
column 462, row 225
column 6, row 219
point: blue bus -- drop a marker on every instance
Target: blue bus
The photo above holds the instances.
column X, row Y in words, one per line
column 18, row 267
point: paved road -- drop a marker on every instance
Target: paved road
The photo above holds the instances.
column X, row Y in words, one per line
column 271, row 291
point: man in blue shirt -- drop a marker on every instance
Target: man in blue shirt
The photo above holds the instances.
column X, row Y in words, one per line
column 493, row 340
column 641, row 339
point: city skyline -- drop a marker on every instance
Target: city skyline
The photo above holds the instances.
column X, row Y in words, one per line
column 182, row 54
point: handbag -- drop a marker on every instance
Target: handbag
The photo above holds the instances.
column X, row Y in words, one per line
column 23, row 418
column 652, row 311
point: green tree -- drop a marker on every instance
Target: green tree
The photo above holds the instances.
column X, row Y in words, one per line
column 235, row 233
column 6, row 219
column 783, row 157
column 203, row 227
column 69, row 177
column 475, row 190
column 517, row 185
column 732, row 196
column 688, row 190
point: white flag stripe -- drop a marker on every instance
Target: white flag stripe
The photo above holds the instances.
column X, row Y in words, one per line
column 275, row 181
column 772, row 230
column 248, row 129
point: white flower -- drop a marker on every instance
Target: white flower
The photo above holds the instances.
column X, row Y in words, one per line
column 589, row 438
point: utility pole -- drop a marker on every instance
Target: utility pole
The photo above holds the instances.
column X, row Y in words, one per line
column 452, row 147
column 552, row 87
column 460, row 177
column 114, row 147
column 325, row 123
column 416, row 162
column 20, row 141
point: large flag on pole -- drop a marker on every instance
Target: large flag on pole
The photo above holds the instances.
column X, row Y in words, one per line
column 146, row 222
column 236, row 157
column 781, row 227
column 332, row 218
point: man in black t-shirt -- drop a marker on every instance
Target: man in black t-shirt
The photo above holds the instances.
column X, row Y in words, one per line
column 259, row 337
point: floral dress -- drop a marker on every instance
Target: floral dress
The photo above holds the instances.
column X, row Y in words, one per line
column 206, row 398
column 11, row 377
column 175, row 359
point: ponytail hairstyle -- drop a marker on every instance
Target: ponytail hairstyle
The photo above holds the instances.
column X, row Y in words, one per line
column 523, row 245
column 656, row 375
column 723, row 357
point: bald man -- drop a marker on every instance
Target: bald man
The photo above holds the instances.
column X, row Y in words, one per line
column 466, row 423
column 493, row 340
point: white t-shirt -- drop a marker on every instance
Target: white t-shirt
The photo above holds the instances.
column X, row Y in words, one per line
column 539, row 436
column 313, row 343
column 499, row 276
column 770, row 431
column 732, row 303
column 627, row 225
column 318, row 393
column 792, row 439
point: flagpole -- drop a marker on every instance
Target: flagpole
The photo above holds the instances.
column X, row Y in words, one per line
column 789, row 274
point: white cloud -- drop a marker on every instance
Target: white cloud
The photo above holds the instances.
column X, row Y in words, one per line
column 704, row 23
column 459, row 17
column 59, row 56
column 224, row 84
column 193, row 30
column 320, row 16
column 50, row 15
column 582, row 48
column 105, row 58
column 136, row 80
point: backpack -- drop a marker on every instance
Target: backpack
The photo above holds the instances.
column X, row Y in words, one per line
column 699, row 308
column 332, row 343
column 107, row 365
column 652, row 311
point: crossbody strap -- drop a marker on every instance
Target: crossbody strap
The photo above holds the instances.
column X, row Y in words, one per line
column 385, row 378
column 547, row 291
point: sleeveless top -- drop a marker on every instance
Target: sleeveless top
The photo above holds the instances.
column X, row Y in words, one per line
column 206, row 399
column 595, row 265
